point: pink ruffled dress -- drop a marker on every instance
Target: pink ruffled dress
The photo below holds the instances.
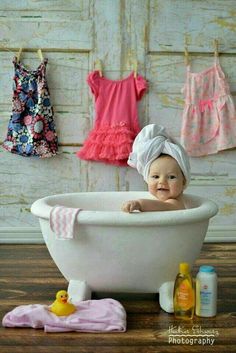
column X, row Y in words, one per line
column 116, row 118
column 209, row 117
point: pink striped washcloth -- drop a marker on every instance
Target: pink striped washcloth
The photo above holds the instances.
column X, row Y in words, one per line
column 62, row 221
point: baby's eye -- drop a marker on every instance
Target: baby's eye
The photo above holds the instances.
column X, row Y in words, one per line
column 172, row 177
column 155, row 176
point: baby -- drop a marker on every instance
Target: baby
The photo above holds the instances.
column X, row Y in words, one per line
column 165, row 167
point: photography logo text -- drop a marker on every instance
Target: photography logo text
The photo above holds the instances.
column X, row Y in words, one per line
column 192, row 336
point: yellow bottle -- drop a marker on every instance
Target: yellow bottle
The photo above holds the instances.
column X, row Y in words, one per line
column 184, row 299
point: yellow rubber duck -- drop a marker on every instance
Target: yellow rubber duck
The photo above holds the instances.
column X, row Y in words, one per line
column 60, row 306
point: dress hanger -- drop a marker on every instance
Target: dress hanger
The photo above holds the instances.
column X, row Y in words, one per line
column 40, row 54
column 186, row 53
column 186, row 56
column 135, row 67
column 216, row 46
column 39, row 51
column 98, row 66
column 19, row 55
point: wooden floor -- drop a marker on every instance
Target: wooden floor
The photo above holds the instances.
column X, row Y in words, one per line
column 28, row 275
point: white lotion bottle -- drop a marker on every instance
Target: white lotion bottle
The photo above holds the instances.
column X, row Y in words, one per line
column 206, row 292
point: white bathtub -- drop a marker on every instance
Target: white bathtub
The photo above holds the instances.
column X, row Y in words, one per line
column 113, row 251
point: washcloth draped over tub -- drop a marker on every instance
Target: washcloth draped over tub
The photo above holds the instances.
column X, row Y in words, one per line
column 102, row 315
column 62, row 221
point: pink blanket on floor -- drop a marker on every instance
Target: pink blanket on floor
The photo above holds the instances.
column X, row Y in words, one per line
column 102, row 315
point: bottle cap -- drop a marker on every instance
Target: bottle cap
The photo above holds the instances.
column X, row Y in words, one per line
column 205, row 268
column 184, row 268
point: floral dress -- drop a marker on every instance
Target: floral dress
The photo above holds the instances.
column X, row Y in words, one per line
column 31, row 129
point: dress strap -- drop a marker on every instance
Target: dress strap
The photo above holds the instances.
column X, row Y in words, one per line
column 45, row 61
column 188, row 69
column 184, row 88
column 216, row 60
column 14, row 60
column 219, row 71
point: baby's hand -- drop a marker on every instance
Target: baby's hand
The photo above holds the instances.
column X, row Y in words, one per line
column 130, row 206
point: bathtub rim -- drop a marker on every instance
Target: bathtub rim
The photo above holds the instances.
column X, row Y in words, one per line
column 203, row 212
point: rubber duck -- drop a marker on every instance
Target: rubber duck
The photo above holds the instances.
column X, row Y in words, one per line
column 60, row 306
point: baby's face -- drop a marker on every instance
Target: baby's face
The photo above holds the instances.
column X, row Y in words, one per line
column 165, row 180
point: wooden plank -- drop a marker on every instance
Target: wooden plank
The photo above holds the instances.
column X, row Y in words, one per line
column 144, row 337
column 46, row 34
column 57, row 175
column 44, row 6
column 200, row 21
column 107, row 16
column 119, row 349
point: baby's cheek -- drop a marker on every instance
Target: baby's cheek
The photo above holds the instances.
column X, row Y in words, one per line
column 152, row 191
column 178, row 187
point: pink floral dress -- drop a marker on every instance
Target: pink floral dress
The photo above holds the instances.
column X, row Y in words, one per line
column 209, row 117
column 116, row 118
column 31, row 129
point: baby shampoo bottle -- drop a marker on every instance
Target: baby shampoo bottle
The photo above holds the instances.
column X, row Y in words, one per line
column 184, row 299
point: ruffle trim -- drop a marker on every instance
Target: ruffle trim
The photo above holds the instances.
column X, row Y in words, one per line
column 112, row 145
column 208, row 149
column 45, row 153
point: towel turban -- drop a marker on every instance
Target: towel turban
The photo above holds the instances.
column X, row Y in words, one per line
column 149, row 144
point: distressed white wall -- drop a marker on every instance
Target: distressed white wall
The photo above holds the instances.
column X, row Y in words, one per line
column 72, row 34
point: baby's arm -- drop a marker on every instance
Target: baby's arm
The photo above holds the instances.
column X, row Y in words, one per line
column 146, row 205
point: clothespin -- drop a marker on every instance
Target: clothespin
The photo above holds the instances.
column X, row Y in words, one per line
column 186, row 56
column 216, row 46
column 19, row 54
column 186, row 53
column 98, row 66
column 135, row 67
column 40, row 54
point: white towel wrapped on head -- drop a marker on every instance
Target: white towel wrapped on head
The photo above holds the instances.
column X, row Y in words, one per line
column 149, row 144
